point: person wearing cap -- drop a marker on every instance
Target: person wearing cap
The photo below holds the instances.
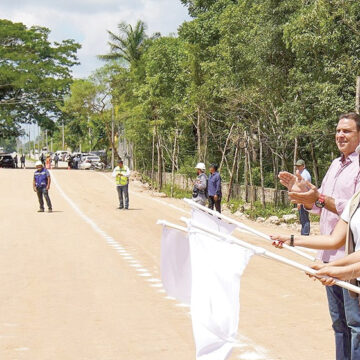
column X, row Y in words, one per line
column 214, row 188
column 122, row 173
column 41, row 185
column 199, row 194
column 303, row 214
column 340, row 183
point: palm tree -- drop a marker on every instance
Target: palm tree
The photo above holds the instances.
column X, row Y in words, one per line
column 128, row 45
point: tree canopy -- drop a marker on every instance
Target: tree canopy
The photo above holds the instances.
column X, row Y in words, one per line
column 35, row 75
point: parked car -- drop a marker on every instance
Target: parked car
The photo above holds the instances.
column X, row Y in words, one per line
column 91, row 162
column 7, row 161
column 85, row 165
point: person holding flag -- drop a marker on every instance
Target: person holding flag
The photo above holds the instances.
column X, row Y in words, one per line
column 340, row 183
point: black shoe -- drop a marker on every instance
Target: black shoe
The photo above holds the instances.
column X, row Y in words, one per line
column 40, row 210
column 50, row 210
column 120, row 207
column 126, row 208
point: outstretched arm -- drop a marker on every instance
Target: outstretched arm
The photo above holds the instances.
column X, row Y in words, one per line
column 322, row 242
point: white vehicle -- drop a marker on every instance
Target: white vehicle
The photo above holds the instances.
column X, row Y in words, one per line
column 62, row 155
column 85, row 165
column 91, row 162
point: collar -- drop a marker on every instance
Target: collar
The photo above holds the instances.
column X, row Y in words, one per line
column 353, row 156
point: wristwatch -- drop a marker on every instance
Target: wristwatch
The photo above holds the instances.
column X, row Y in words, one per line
column 320, row 202
column 292, row 240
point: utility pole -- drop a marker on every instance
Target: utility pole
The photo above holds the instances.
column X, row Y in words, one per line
column 112, row 139
column 357, row 107
column 46, row 141
column 63, row 136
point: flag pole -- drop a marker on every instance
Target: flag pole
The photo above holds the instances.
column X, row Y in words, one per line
column 241, row 226
column 168, row 224
column 268, row 254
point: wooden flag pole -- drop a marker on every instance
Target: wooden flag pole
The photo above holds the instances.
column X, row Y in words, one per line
column 246, row 228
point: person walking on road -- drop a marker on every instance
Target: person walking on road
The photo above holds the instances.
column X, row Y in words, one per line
column 214, row 189
column 22, row 161
column 199, row 194
column 41, row 185
column 122, row 174
column 340, row 183
column 303, row 214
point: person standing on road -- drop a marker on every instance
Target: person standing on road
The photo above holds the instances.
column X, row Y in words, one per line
column 42, row 159
column 22, row 160
column 16, row 161
column 340, row 183
column 214, row 189
column 41, row 185
column 303, row 214
column 122, row 174
column 199, row 194
column 56, row 160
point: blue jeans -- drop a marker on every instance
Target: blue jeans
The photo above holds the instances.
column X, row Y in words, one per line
column 42, row 192
column 345, row 315
column 304, row 221
column 123, row 191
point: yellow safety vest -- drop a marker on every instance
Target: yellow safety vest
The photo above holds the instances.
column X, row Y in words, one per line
column 121, row 180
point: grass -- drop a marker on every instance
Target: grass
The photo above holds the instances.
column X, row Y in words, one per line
column 177, row 192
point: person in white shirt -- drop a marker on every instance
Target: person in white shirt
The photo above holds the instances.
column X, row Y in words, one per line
column 303, row 214
column 122, row 174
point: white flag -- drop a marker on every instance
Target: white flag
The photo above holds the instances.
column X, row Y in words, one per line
column 204, row 271
column 211, row 221
column 215, row 294
column 175, row 264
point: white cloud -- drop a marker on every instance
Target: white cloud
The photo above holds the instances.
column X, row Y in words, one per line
column 86, row 21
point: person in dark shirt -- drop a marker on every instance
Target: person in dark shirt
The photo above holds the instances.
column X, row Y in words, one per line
column 22, row 160
column 214, row 189
column 41, row 185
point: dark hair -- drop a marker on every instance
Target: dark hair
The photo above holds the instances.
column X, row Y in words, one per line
column 352, row 116
column 214, row 166
column 120, row 161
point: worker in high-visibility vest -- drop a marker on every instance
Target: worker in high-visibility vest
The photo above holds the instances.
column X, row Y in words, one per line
column 122, row 174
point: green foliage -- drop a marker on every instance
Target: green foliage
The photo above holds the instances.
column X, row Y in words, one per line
column 35, row 75
column 177, row 192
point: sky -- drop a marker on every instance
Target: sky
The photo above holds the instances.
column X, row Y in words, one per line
column 86, row 21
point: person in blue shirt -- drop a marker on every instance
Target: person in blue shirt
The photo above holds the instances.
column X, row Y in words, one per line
column 41, row 185
column 214, row 188
column 304, row 215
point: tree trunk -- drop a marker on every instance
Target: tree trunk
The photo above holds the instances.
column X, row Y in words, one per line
column 275, row 161
column 250, row 181
column 315, row 165
column 357, row 101
column 225, row 147
column 295, row 153
column 233, row 168
column 199, row 133
column 246, row 182
column 153, row 157
column 261, row 166
column 159, row 154
column 173, row 164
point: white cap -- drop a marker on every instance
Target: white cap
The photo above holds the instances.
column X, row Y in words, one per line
column 200, row 166
column 38, row 163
